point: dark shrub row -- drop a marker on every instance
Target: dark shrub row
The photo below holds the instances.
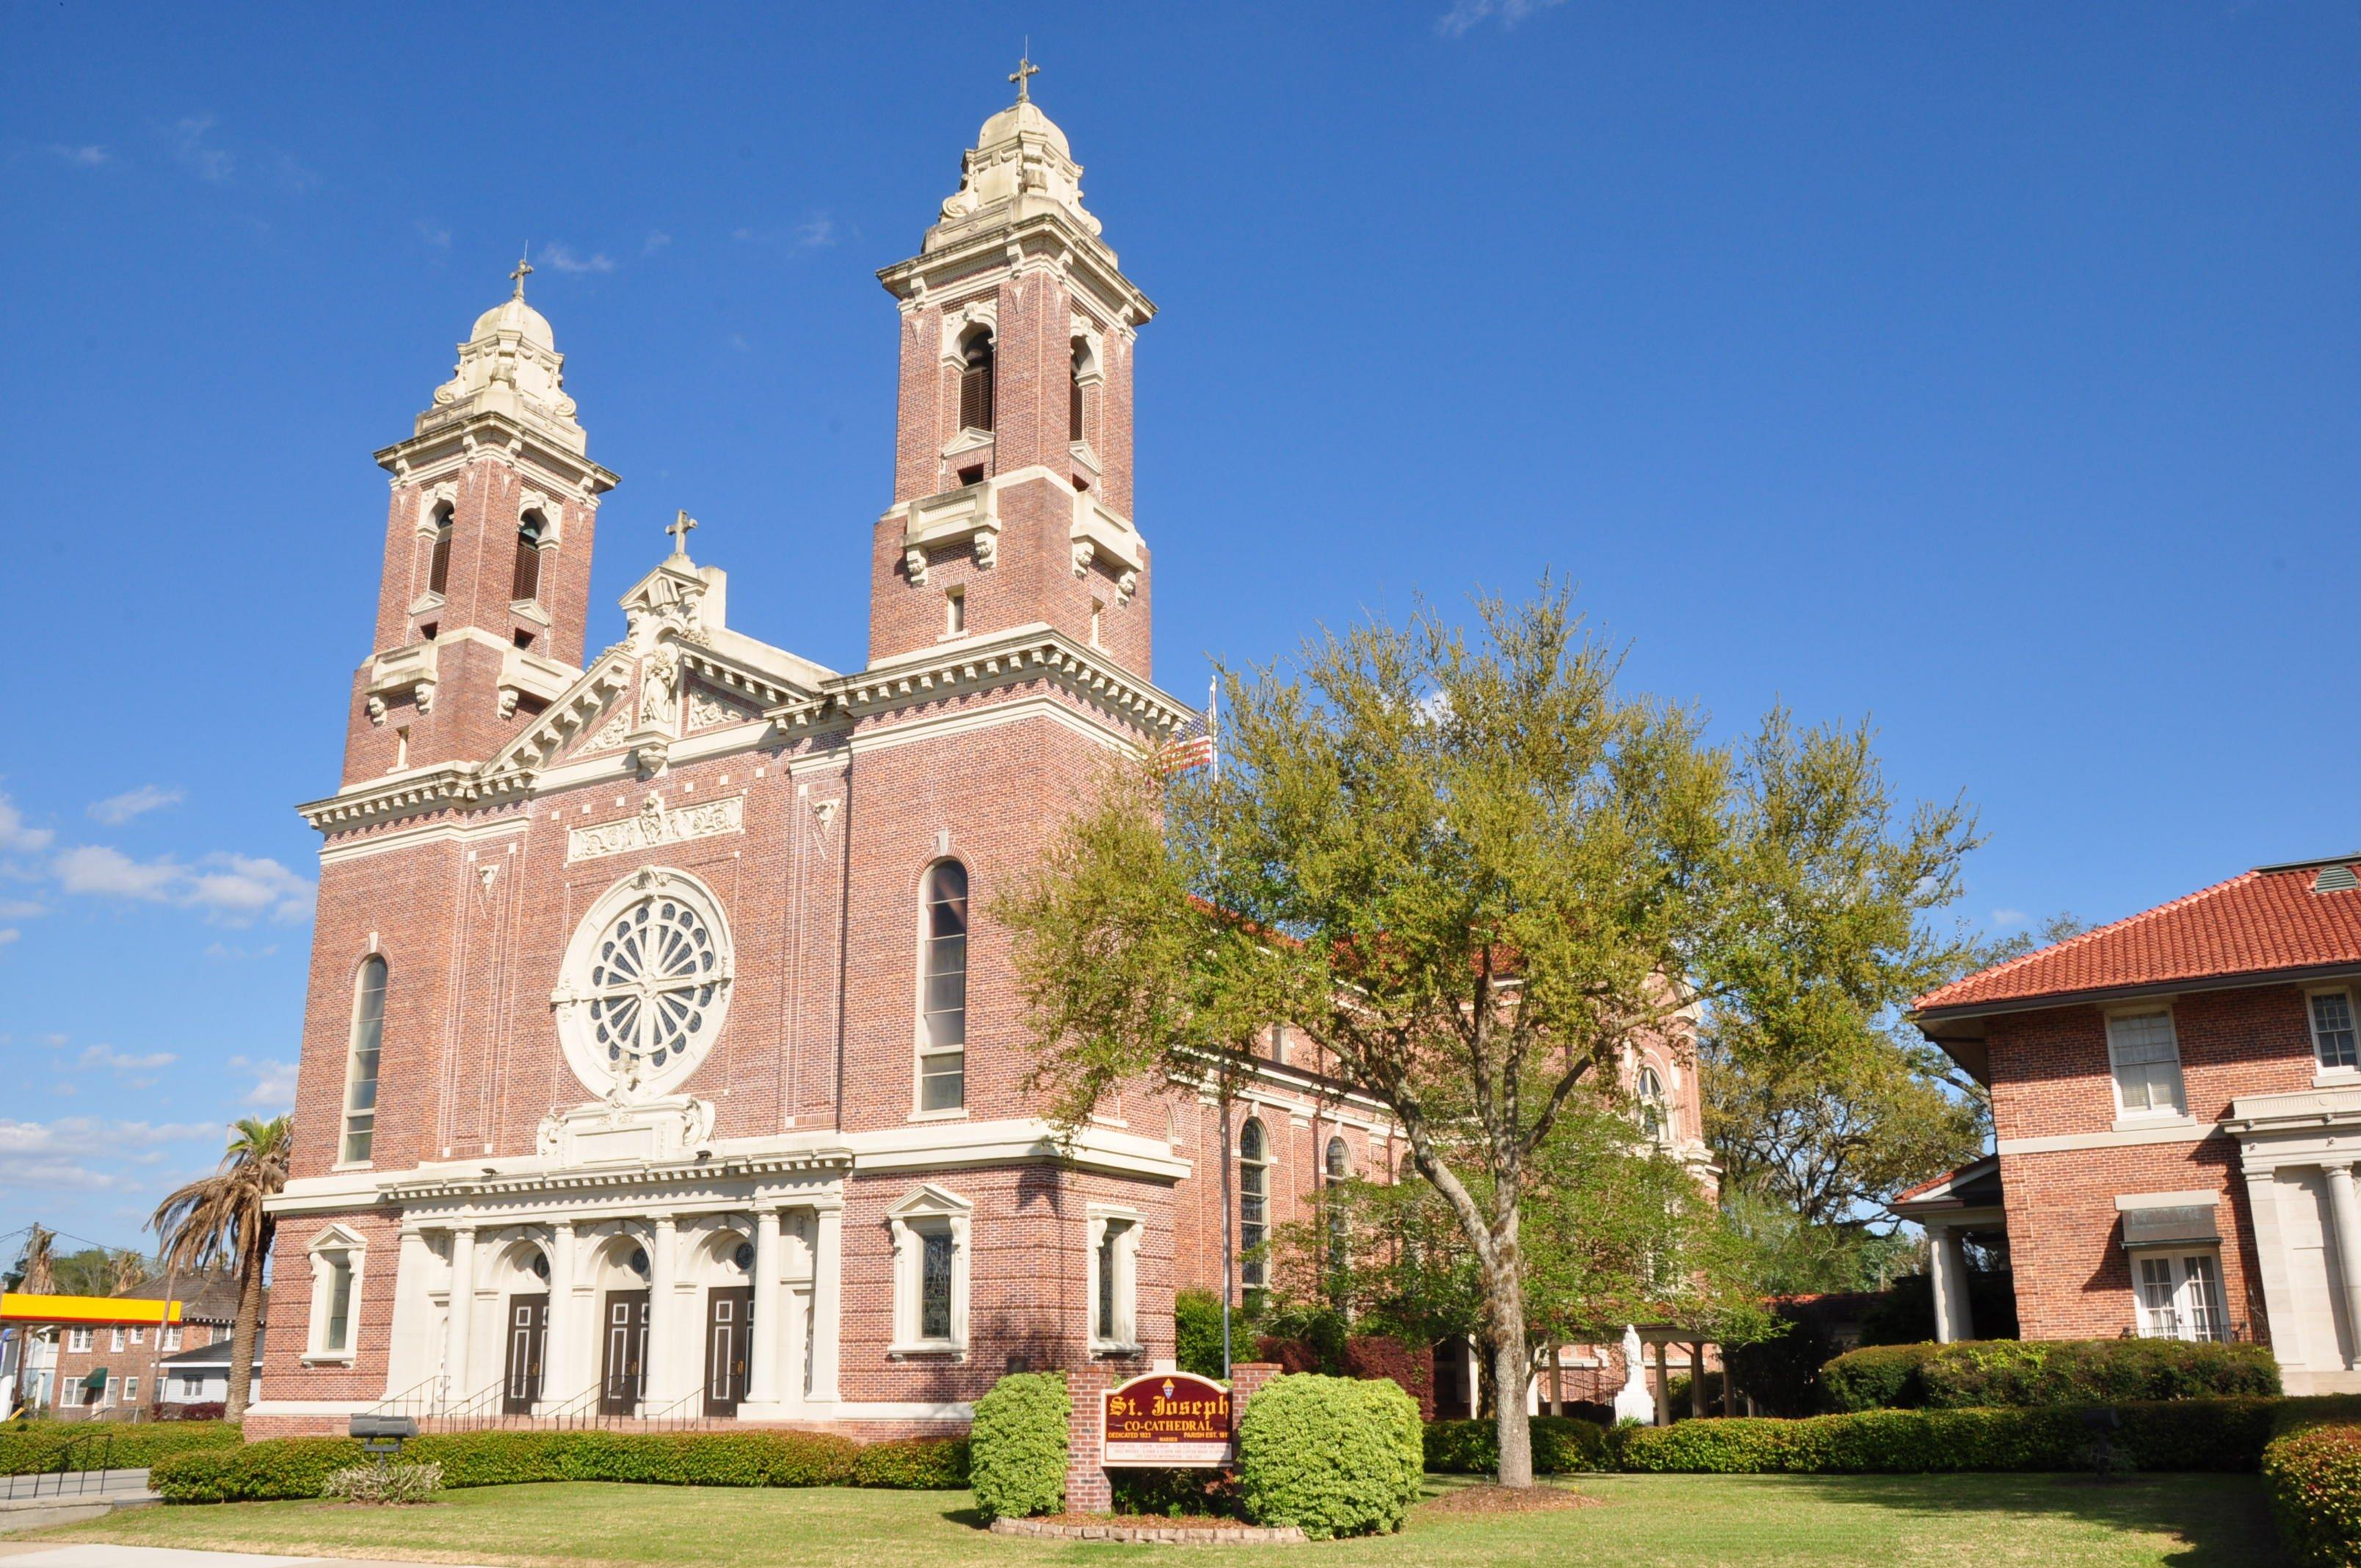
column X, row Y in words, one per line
column 297, row 1467
column 1562, row 1445
column 1987, row 1373
column 2313, row 1476
column 28, row 1446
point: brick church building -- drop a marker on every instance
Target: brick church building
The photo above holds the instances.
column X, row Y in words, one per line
column 661, row 1059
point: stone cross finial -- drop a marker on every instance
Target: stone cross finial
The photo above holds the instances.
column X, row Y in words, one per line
column 1024, row 68
column 523, row 271
column 678, row 528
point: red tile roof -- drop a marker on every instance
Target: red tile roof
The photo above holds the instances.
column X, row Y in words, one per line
column 2262, row 922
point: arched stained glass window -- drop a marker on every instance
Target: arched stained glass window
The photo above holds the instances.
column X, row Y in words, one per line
column 942, row 990
column 1253, row 1201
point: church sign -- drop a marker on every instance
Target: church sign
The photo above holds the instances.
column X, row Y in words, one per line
column 1166, row 1418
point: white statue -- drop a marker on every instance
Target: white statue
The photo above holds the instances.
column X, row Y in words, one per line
column 1632, row 1401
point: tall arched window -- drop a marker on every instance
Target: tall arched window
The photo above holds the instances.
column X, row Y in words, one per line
column 942, row 990
column 524, row 583
column 1655, row 1119
column 1337, row 1168
column 360, row 1060
column 1076, row 368
column 1253, row 1201
column 438, row 565
column 975, row 381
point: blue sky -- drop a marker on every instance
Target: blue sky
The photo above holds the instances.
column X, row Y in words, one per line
column 1988, row 371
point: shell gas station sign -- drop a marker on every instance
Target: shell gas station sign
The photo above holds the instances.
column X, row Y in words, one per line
column 1166, row 1418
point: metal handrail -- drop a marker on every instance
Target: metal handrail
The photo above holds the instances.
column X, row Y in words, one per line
column 678, row 1416
column 416, row 1400
column 79, row 1444
column 574, row 1414
column 469, row 1412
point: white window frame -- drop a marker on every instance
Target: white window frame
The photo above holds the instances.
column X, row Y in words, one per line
column 2152, row 1112
column 2323, row 1070
column 1128, row 1226
column 131, row 1390
column 348, row 1131
column 138, row 1334
column 106, row 1395
column 114, row 1345
column 922, row 1049
column 333, row 1245
column 171, row 1336
column 929, row 1210
column 2192, row 1298
column 80, row 1342
column 1254, row 1273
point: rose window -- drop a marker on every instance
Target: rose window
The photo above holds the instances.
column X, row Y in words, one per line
column 647, row 978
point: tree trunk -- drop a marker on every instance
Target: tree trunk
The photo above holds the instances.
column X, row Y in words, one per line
column 1511, row 1363
column 242, row 1336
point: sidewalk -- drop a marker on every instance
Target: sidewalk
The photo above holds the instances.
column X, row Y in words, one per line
column 47, row 1555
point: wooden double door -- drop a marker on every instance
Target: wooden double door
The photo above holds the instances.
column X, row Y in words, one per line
column 528, row 1345
column 623, row 1352
column 729, row 1328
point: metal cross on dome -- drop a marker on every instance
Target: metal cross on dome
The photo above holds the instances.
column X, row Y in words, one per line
column 1024, row 68
column 678, row 528
column 523, row 271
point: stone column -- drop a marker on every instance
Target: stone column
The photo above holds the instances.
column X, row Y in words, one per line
column 1663, row 1386
column 827, row 1301
column 662, row 1309
column 763, row 1350
column 456, row 1385
column 1949, row 1265
column 2344, row 1213
column 1696, row 1377
column 558, row 1355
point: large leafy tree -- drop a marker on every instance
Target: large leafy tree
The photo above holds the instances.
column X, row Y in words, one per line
column 1478, row 875
column 220, row 1220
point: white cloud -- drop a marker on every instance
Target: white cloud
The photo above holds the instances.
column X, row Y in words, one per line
column 191, row 147
column 238, row 889
column 815, row 232
column 87, row 1152
column 2005, row 918
column 8, row 934
column 657, row 240
column 1466, row 14
column 110, row 873
column 118, row 809
column 86, row 156
column 563, row 259
column 118, row 1061
column 224, row 950
column 274, row 1083
column 433, row 233
column 14, row 835
column 738, row 341
column 21, row 909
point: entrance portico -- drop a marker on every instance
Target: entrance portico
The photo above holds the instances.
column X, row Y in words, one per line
column 2299, row 1152
column 707, row 1289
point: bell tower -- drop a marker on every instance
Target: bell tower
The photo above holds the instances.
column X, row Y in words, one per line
column 1013, row 449
column 487, row 576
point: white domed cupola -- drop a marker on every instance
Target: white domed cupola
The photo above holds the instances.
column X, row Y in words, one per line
column 1019, row 166
column 510, row 365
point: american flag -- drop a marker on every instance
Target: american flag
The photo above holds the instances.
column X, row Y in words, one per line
column 1192, row 745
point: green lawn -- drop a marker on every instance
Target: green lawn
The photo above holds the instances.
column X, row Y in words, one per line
column 1956, row 1522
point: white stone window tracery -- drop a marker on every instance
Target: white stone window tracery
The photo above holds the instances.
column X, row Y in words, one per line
column 645, row 984
column 930, row 1257
column 337, row 1255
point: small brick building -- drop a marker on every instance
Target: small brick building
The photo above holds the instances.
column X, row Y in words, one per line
column 2177, row 1111
column 109, row 1357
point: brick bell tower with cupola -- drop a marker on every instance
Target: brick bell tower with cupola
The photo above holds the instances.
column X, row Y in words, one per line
column 487, row 578
column 1013, row 452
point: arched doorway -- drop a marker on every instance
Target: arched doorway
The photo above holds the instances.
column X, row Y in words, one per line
column 620, row 1270
column 725, row 1261
column 522, row 1272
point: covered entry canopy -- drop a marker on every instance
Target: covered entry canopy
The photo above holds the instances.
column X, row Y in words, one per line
column 1956, row 1206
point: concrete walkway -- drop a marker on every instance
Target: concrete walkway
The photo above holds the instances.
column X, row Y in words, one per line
column 47, row 1554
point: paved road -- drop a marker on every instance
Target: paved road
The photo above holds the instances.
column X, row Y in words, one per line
column 44, row 1555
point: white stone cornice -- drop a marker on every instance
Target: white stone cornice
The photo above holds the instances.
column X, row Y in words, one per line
column 434, row 452
column 982, row 663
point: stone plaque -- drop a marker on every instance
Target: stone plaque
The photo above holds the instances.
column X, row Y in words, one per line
column 655, row 826
column 1166, row 1418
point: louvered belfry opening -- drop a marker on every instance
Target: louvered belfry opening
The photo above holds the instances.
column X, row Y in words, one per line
column 1074, row 390
column 524, row 583
column 975, row 383
column 438, row 566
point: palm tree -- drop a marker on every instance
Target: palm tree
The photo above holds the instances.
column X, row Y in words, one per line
column 33, row 1270
column 127, row 1269
column 220, row 1219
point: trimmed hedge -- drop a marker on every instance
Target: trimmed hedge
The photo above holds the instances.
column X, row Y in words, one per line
column 1016, row 1446
column 2313, row 1477
column 1562, row 1445
column 1330, row 1455
column 300, row 1466
column 29, row 1446
column 1986, row 1373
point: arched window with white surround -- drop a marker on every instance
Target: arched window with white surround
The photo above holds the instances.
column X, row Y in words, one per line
column 366, row 1035
column 1655, row 1114
column 1077, row 371
column 942, row 989
column 1336, row 1169
column 1253, row 1201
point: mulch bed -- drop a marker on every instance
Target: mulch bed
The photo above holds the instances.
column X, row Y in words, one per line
column 1160, row 1528
column 1491, row 1499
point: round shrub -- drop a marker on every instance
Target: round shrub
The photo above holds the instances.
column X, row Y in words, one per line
column 2315, row 1481
column 1016, row 1447
column 1330, row 1455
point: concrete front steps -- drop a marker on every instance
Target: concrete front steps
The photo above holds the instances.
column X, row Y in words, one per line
column 70, row 1497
